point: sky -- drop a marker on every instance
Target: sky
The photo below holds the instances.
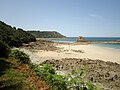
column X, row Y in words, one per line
column 73, row 18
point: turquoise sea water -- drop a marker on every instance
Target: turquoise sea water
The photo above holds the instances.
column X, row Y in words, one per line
column 99, row 39
column 115, row 46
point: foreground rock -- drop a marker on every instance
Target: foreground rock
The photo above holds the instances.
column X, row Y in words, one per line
column 107, row 74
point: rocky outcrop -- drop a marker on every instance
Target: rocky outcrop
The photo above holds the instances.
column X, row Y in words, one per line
column 105, row 74
column 81, row 39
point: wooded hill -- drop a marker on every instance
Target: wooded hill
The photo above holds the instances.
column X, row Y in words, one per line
column 14, row 37
column 46, row 34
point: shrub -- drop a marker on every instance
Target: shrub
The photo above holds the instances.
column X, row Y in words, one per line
column 47, row 72
column 20, row 56
column 13, row 80
column 75, row 81
column 72, row 81
column 4, row 50
column 4, row 65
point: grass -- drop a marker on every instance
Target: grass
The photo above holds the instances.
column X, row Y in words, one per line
column 48, row 74
column 10, row 78
column 17, row 75
column 13, row 80
column 73, row 81
column 4, row 65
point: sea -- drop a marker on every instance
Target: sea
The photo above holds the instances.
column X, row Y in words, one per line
column 99, row 39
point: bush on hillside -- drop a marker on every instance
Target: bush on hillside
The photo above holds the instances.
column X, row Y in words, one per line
column 47, row 72
column 20, row 56
column 13, row 80
column 73, row 81
column 4, row 50
column 14, row 37
column 4, row 65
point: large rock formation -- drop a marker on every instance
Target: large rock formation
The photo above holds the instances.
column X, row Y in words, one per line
column 81, row 39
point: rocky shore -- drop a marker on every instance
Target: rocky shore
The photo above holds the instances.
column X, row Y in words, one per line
column 82, row 40
column 106, row 74
column 101, row 65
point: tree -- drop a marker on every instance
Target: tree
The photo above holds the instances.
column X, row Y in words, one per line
column 4, row 50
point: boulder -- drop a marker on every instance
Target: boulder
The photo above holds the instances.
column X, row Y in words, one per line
column 81, row 39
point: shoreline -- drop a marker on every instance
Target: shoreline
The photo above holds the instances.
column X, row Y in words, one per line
column 96, row 52
column 101, row 64
column 80, row 42
column 66, row 50
column 104, row 46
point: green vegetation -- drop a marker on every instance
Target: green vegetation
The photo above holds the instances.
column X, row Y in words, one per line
column 73, row 81
column 4, row 65
column 14, row 73
column 20, row 56
column 14, row 37
column 47, row 72
column 14, row 64
column 46, row 34
column 17, row 74
column 13, row 80
column 4, row 50
column 10, row 78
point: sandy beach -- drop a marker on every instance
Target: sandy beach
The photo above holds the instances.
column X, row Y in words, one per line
column 100, row 63
column 76, row 51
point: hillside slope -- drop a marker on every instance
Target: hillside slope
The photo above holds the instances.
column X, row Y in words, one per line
column 13, row 36
column 46, row 34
